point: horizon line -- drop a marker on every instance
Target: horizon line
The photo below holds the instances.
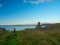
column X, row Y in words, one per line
column 31, row 23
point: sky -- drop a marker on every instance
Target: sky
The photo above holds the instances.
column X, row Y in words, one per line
column 29, row 11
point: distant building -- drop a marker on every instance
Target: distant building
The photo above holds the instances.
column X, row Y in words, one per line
column 38, row 26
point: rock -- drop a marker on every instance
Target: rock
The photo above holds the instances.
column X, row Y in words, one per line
column 2, row 29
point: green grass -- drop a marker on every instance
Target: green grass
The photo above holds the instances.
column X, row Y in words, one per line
column 30, row 37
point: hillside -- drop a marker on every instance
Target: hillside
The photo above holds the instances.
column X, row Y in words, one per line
column 30, row 37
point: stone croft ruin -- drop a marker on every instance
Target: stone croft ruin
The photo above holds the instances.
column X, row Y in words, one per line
column 38, row 26
column 55, row 26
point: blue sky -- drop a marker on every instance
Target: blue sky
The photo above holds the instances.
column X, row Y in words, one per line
column 29, row 11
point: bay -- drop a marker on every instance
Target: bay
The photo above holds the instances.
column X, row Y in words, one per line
column 10, row 28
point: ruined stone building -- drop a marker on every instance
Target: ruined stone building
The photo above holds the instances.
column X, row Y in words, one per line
column 38, row 27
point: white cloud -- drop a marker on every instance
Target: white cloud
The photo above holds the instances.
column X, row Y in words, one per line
column 24, row 1
column 0, row 5
column 36, row 1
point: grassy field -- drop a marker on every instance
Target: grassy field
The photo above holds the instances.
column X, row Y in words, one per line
column 30, row 37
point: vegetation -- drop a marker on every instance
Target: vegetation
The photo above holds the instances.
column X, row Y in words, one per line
column 55, row 25
column 30, row 37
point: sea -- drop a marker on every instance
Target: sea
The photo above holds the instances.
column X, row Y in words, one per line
column 10, row 28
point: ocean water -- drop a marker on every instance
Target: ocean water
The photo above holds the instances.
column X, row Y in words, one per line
column 10, row 28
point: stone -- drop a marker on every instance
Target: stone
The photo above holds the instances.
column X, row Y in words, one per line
column 2, row 29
